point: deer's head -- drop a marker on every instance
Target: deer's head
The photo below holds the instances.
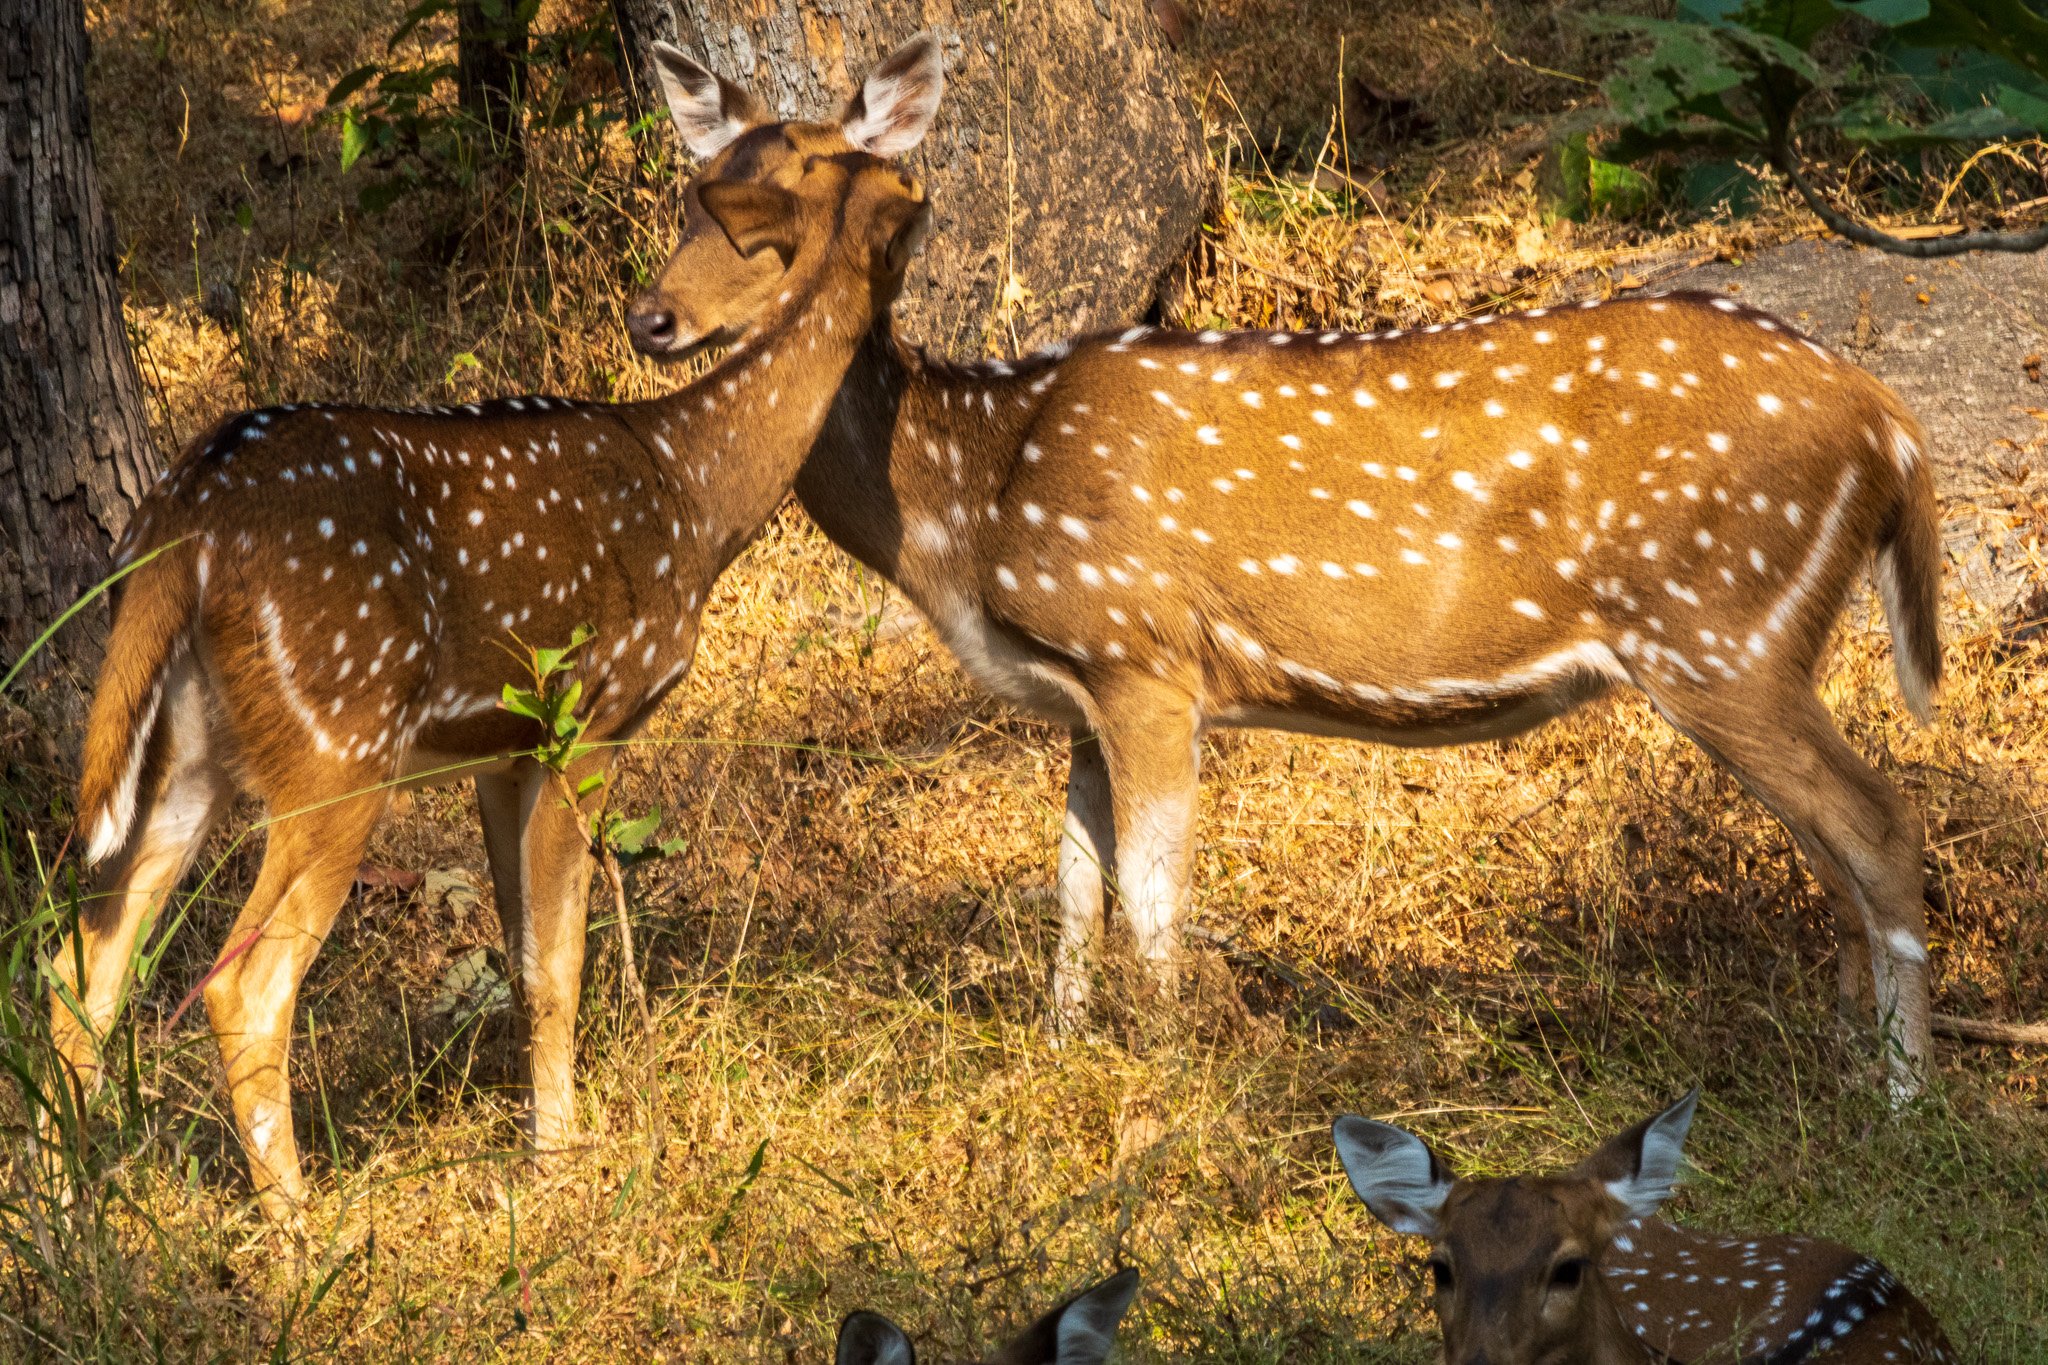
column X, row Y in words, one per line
column 1516, row 1261
column 723, row 274
column 1078, row 1332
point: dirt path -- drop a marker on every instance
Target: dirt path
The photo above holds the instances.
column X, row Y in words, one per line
column 1953, row 338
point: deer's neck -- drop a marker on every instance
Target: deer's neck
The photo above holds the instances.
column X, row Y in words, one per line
column 915, row 454
column 734, row 439
column 1611, row 1341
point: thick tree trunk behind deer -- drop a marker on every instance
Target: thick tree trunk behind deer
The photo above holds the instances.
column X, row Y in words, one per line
column 1047, row 104
column 75, row 453
column 339, row 595
column 1418, row 538
column 1578, row 1267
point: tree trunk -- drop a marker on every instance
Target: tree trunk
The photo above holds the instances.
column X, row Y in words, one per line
column 75, row 454
column 490, row 55
column 1067, row 167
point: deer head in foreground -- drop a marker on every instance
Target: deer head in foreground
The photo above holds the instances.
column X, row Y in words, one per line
column 1078, row 1332
column 1577, row 1269
column 334, row 605
column 1419, row 538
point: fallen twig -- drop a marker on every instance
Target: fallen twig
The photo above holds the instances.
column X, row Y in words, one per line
column 1991, row 1031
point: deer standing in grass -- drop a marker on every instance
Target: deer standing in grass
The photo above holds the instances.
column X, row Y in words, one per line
column 334, row 597
column 1577, row 1269
column 1418, row 538
column 1078, row 1332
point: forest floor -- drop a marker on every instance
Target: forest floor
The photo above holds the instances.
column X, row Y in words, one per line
column 849, row 1097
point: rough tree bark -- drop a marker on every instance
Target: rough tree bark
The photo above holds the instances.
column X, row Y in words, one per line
column 490, row 51
column 1066, row 156
column 75, row 453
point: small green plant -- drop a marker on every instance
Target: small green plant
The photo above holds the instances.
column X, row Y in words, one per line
column 1731, row 78
column 425, row 123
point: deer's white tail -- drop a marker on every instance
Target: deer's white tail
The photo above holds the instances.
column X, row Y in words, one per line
column 151, row 625
column 1908, row 567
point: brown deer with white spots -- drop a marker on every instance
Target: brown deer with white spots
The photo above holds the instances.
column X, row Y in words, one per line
column 1080, row 1331
column 336, row 602
column 1577, row 1269
column 1419, row 538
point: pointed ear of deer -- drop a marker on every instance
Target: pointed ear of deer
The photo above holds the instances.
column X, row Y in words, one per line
column 1079, row 1331
column 709, row 110
column 894, row 106
column 1394, row 1172
column 907, row 224
column 1639, row 1166
column 871, row 1339
column 753, row 217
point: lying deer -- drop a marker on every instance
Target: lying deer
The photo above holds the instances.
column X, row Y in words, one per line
column 1576, row 1267
column 336, row 600
column 1078, row 1332
column 1418, row 538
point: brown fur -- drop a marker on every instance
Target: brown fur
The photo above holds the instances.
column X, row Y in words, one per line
column 348, row 598
column 1420, row 538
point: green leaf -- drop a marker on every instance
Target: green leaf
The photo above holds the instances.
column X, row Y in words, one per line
column 417, row 15
column 567, row 722
column 356, row 138
column 352, row 82
column 1795, row 23
column 589, row 784
column 1890, row 13
column 630, row 836
column 2005, row 28
column 1982, row 124
column 2028, row 109
column 522, row 703
column 1616, row 190
column 1711, row 184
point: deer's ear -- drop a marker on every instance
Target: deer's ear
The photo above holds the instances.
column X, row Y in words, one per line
column 709, row 110
column 1079, row 1331
column 1394, row 1172
column 905, row 223
column 895, row 105
column 1639, row 1166
column 753, row 217
column 871, row 1339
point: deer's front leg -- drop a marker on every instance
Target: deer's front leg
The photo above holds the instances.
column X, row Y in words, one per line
column 1150, row 735
column 547, row 958
column 1087, row 853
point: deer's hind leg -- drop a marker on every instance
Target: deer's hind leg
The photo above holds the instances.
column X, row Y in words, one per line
column 315, row 845
column 1862, row 837
column 184, row 792
column 1151, row 736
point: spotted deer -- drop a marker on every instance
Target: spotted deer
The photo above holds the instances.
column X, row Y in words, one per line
column 336, row 602
column 1079, row 1331
column 1414, row 537
column 1577, row 1269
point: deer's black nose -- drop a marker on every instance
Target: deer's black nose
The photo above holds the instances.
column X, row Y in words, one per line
column 652, row 327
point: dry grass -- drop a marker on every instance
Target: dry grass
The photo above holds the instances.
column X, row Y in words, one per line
column 1517, row 946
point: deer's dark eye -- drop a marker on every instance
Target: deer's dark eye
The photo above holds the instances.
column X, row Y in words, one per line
column 1440, row 1272
column 1568, row 1274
